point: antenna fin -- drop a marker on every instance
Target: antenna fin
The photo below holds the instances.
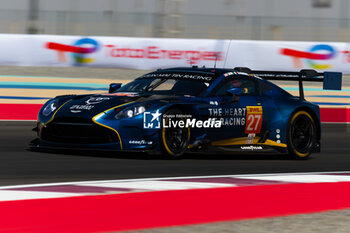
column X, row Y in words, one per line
column 216, row 58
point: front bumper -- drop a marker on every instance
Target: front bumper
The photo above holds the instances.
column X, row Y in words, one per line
column 80, row 133
column 39, row 143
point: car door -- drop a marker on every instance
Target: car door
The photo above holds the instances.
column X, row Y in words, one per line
column 240, row 116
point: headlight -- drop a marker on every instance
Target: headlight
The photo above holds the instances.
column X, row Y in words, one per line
column 50, row 107
column 130, row 112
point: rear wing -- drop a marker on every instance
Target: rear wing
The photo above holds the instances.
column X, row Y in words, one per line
column 331, row 80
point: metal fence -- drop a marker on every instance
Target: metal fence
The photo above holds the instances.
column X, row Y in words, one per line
column 175, row 25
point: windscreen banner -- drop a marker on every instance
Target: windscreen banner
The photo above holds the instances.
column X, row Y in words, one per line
column 154, row 53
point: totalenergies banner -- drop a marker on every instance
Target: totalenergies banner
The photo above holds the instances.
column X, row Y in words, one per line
column 121, row 52
column 288, row 55
column 153, row 53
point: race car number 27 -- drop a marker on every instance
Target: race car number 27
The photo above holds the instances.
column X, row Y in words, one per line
column 254, row 119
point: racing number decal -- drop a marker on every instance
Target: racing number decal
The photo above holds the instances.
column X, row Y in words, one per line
column 253, row 120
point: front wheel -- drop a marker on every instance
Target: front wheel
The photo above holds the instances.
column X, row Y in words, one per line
column 301, row 135
column 174, row 140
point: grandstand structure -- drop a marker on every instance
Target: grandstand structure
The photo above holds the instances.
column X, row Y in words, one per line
column 297, row 20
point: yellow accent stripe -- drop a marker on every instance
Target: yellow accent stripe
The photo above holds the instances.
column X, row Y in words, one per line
column 229, row 142
column 242, row 141
column 53, row 116
column 120, row 140
column 269, row 142
column 106, row 126
column 116, row 107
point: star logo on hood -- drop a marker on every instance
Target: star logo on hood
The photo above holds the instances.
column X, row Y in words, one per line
column 156, row 115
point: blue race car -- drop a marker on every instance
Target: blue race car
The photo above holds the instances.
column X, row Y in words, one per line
column 178, row 110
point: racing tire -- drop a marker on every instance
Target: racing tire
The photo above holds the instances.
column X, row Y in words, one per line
column 301, row 135
column 173, row 140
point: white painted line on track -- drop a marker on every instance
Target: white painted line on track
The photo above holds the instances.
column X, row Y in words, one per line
column 302, row 178
column 158, row 185
column 14, row 195
column 72, row 189
column 167, row 178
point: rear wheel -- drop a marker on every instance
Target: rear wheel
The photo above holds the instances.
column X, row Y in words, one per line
column 301, row 135
column 174, row 140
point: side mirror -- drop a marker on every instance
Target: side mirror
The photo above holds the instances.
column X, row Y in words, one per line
column 235, row 91
column 114, row 86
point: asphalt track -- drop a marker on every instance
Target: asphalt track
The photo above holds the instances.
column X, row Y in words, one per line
column 18, row 165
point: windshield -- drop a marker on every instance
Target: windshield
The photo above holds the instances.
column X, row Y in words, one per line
column 168, row 86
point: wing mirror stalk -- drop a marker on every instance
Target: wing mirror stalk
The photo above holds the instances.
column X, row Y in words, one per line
column 113, row 87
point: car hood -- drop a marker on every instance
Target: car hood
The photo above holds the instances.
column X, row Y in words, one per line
column 91, row 105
